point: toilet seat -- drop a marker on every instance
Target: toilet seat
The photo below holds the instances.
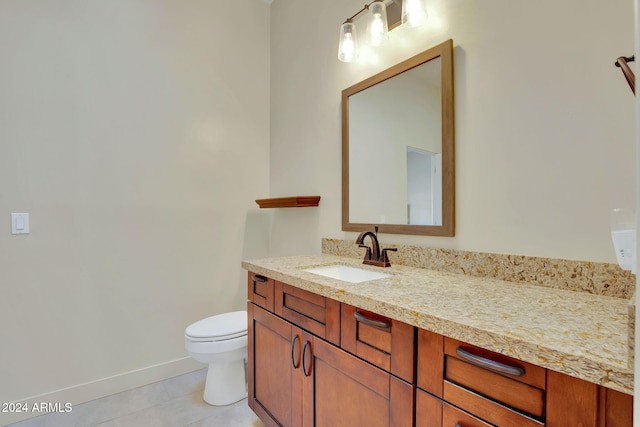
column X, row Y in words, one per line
column 222, row 327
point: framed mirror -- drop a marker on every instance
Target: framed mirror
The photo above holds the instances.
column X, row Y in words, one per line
column 398, row 148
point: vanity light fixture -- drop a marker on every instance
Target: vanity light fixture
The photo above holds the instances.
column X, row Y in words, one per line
column 378, row 28
column 414, row 13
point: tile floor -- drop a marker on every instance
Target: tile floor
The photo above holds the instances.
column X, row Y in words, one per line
column 175, row 402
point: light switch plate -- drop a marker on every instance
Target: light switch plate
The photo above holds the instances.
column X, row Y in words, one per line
column 19, row 223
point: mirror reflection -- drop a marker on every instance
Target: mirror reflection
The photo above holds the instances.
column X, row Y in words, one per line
column 408, row 148
column 398, row 148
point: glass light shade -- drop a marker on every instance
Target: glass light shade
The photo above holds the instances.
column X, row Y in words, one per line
column 414, row 12
column 378, row 29
column 348, row 47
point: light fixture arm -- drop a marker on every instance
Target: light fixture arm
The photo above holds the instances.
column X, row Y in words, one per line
column 365, row 8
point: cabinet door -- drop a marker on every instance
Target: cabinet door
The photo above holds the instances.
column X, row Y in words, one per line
column 572, row 401
column 351, row 392
column 274, row 350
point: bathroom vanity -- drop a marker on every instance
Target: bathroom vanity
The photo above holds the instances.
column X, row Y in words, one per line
column 426, row 348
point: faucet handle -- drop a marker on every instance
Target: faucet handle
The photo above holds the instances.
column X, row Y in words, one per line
column 384, row 257
column 368, row 253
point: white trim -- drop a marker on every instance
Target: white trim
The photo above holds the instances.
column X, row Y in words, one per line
column 92, row 390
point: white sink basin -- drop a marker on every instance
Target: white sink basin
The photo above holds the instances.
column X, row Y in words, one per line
column 347, row 273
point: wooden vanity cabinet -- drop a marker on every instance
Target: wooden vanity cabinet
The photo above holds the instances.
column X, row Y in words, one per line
column 299, row 378
column 316, row 362
column 468, row 386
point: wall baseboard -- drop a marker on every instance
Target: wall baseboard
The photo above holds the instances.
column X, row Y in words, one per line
column 92, row 390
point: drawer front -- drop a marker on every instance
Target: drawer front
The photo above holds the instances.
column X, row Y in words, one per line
column 433, row 412
column 384, row 342
column 489, row 410
column 508, row 382
column 261, row 291
column 312, row 312
column 532, row 374
column 453, row 417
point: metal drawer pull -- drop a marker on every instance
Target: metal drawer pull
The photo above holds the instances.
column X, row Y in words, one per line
column 489, row 364
column 296, row 339
column 306, row 371
column 257, row 278
column 372, row 322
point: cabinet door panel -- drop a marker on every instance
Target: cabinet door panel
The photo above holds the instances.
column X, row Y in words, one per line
column 274, row 384
column 616, row 408
column 349, row 391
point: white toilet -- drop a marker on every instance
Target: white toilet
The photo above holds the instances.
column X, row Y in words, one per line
column 221, row 341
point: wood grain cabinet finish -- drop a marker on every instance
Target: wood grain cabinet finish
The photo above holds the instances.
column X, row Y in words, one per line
column 352, row 392
column 274, row 369
column 300, row 379
column 384, row 342
column 261, row 291
column 433, row 412
column 312, row 312
column 483, row 388
column 497, row 388
column 316, row 362
column 574, row 402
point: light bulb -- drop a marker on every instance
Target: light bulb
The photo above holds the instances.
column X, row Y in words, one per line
column 348, row 47
column 414, row 12
column 378, row 28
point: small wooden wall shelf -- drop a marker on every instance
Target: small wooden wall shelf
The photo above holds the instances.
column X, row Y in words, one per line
column 289, row 202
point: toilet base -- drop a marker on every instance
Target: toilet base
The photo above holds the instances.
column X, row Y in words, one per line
column 226, row 383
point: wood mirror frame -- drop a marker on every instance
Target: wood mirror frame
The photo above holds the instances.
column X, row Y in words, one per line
column 444, row 51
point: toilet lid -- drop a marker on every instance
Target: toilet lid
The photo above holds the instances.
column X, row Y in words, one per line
column 225, row 325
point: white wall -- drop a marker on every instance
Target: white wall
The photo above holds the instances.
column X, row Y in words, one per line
column 136, row 135
column 544, row 121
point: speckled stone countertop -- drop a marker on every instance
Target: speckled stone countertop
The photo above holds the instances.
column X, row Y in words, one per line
column 576, row 333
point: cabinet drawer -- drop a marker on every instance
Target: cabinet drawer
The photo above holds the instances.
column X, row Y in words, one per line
column 261, row 291
column 312, row 312
column 433, row 412
column 454, row 417
column 489, row 410
column 384, row 342
column 505, row 382
column 531, row 374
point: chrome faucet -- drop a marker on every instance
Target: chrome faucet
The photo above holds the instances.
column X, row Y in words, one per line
column 373, row 255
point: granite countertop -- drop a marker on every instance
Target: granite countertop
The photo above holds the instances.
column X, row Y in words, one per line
column 576, row 333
